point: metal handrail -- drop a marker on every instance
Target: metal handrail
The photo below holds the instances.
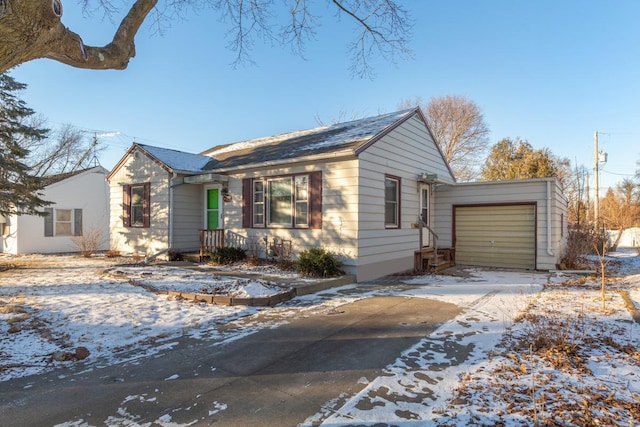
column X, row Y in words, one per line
column 422, row 224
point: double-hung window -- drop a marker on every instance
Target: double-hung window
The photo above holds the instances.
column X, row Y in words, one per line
column 258, row 203
column 136, row 205
column 302, row 200
column 291, row 201
column 62, row 222
column 280, row 196
column 391, row 202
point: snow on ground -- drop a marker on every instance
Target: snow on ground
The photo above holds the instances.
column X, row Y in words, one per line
column 528, row 346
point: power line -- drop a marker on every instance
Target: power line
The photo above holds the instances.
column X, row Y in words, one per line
column 618, row 174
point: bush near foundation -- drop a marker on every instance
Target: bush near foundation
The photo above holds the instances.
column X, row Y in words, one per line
column 228, row 255
column 318, row 262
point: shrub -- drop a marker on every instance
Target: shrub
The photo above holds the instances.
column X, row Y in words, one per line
column 228, row 255
column 318, row 262
column 89, row 242
column 582, row 241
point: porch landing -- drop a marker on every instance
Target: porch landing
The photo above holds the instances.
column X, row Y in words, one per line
column 425, row 260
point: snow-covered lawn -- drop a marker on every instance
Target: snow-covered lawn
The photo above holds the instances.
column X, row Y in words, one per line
column 529, row 346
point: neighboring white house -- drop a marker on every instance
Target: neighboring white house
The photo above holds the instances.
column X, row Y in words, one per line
column 80, row 204
column 357, row 188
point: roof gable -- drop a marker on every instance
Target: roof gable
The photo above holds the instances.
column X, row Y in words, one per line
column 54, row 179
column 177, row 160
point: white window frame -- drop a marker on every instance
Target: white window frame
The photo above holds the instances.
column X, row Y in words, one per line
column 395, row 204
column 140, row 206
column 298, row 201
column 260, row 202
column 58, row 223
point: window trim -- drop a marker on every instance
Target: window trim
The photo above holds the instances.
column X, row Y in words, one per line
column 51, row 222
column 57, row 222
column 397, row 201
column 127, row 207
column 254, row 203
column 313, row 201
column 269, row 199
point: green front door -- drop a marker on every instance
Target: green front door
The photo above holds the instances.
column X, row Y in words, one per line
column 213, row 208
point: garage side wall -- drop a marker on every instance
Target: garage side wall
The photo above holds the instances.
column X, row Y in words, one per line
column 545, row 194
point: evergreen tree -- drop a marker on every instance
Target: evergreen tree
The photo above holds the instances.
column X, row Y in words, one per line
column 19, row 190
column 516, row 159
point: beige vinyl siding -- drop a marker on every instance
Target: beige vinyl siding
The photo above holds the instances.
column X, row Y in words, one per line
column 188, row 216
column 508, row 192
column 339, row 210
column 138, row 169
column 496, row 236
column 405, row 152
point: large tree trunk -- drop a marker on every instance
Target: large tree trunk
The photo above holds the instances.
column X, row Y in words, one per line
column 31, row 29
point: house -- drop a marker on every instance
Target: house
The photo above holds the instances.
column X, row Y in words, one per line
column 80, row 207
column 368, row 190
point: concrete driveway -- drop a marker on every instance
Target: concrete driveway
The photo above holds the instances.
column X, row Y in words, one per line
column 273, row 377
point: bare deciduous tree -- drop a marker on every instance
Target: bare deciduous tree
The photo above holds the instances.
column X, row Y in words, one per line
column 460, row 130
column 67, row 150
column 32, row 29
column 620, row 208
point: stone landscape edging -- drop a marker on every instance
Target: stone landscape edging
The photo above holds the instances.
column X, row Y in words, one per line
column 265, row 301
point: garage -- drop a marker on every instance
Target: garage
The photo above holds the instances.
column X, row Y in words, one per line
column 500, row 235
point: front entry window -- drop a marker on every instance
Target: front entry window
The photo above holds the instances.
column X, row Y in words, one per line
column 424, row 206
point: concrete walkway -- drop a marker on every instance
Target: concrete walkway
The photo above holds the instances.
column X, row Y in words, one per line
column 274, row 377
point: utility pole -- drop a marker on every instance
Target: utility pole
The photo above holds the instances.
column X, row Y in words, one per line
column 596, row 201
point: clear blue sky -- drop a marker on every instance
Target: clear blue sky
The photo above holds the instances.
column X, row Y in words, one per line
column 551, row 72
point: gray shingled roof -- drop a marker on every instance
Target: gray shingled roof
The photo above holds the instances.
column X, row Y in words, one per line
column 316, row 141
column 178, row 160
column 293, row 145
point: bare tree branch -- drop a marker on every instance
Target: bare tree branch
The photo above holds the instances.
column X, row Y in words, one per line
column 32, row 29
column 460, row 130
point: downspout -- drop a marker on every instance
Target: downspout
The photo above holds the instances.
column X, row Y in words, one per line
column 173, row 177
column 549, row 249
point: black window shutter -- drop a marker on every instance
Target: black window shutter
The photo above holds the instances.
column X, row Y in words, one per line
column 126, row 205
column 146, row 206
column 315, row 199
column 247, row 202
column 48, row 222
column 77, row 222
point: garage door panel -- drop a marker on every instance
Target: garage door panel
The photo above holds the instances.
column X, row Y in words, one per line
column 498, row 236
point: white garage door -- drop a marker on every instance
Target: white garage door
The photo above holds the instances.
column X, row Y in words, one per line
column 496, row 236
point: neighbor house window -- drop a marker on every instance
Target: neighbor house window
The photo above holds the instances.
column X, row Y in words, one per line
column 62, row 222
column 136, row 205
column 292, row 201
column 391, row 202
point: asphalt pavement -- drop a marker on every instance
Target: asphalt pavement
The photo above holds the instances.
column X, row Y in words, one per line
column 274, row 377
